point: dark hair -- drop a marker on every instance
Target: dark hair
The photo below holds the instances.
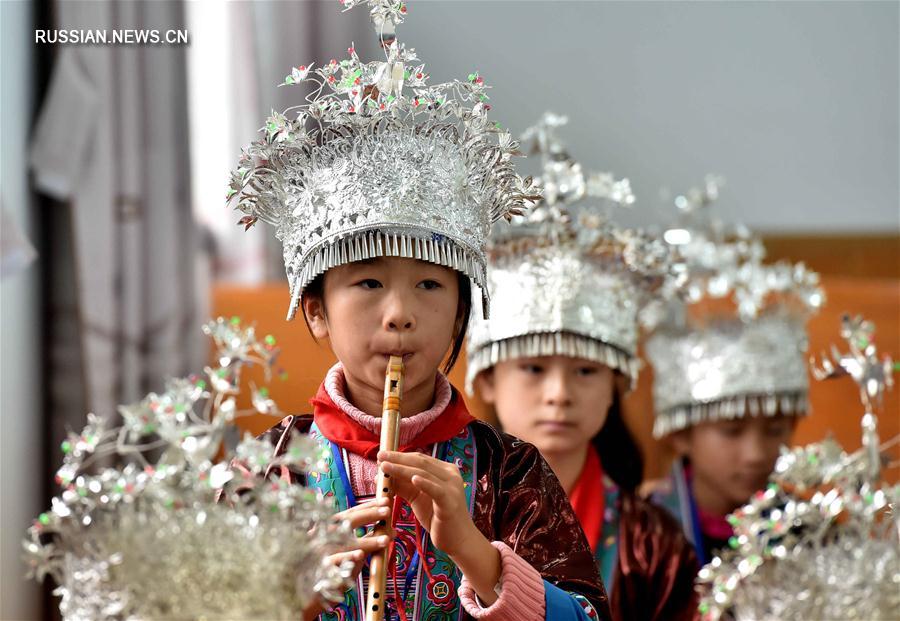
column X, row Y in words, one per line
column 463, row 312
column 463, row 309
column 619, row 453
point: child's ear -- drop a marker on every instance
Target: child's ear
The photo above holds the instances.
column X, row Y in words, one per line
column 484, row 386
column 314, row 311
column 681, row 442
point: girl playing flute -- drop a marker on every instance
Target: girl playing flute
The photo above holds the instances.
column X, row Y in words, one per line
column 383, row 191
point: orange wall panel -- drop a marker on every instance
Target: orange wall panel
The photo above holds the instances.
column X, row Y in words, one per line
column 835, row 403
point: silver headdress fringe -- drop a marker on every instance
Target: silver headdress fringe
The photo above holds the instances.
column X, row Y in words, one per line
column 551, row 344
column 565, row 280
column 822, row 541
column 725, row 368
column 712, row 363
column 362, row 245
column 728, row 408
column 380, row 163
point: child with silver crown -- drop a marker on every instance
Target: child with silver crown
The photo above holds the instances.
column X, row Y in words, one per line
column 570, row 292
column 729, row 368
column 822, row 541
column 383, row 189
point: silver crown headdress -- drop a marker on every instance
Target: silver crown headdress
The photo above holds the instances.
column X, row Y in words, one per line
column 822, row 541
column 735, row 346
column 152, row 522
column 564, row 279
column 380, row 163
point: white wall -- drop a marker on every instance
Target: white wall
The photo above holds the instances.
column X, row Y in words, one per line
column 20, row 449
column 796, row 104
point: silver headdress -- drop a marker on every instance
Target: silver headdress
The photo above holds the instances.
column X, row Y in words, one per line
column 564, row 279
column 153, row 522
column 822, row 541
column 380, row 163
column 736, row 345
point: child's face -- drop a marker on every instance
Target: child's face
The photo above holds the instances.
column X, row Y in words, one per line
column 387, row 306
column 732, row 459
column 557, row 403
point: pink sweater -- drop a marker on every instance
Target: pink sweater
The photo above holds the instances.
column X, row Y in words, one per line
column 522, row 588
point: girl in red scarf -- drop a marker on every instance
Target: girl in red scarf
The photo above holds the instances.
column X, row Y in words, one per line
column 556, row 353
column 382, row 188
column 569, row 408
column 482, row 514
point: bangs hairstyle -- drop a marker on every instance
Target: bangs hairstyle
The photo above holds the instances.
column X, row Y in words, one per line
column 620, row 454
column 463, row 310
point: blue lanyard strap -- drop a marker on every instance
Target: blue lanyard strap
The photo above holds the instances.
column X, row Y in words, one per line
column 695, row 524
column 411, row 574
column 432, row 601
column 342, row 470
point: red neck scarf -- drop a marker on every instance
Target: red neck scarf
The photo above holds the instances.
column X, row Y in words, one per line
column 587, row 497
column 354, row 438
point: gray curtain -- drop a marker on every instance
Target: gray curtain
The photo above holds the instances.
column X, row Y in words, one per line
column 129, row 272
column 125, row 272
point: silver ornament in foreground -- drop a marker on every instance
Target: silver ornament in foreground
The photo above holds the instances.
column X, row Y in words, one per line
column 823, row 540
column 169, row 516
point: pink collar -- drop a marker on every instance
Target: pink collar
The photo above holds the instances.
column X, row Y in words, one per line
column 410, row 427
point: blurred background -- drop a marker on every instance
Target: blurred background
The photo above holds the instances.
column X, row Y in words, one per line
column 116, row 244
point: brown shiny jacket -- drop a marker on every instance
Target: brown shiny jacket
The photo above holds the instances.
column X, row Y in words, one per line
column 518, row 501
column 656, row 567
